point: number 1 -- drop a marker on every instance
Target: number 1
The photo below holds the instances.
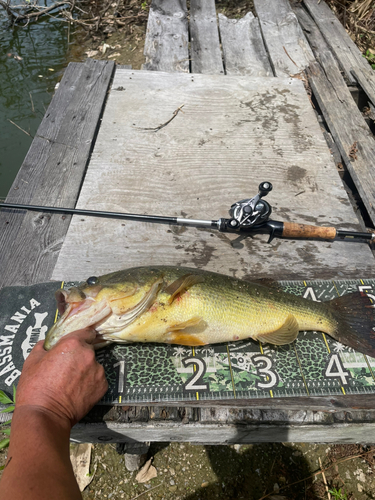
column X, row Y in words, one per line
column 121, row 375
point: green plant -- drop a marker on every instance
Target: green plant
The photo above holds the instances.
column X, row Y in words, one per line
column 144, row 5
column 5, row 400
column 338, row 494
column 370, row 56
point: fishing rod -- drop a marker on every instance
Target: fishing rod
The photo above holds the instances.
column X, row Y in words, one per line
column 249, row 216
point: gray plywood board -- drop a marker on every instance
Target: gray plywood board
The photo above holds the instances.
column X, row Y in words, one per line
column 347, row 53
column 348, row 127
column 204, row 38
column 287, row 46
column 167, row 37
column 51, row 174
column 243, row 47
column 233, row 133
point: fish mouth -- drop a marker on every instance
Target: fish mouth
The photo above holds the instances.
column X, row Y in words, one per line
column 76, row 313
column 70, row 309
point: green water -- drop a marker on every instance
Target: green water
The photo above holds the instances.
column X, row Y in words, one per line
column 27, row 85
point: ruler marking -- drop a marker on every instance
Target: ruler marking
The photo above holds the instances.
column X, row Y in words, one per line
column 300, row 367
column 364, row 355
column 231, row 373
column 195, row 369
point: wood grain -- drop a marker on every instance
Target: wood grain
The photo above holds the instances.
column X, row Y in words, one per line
column 286, row 44
column 243, row 48
column 346, row 123
column 218, row 425
column 204, row 38
column 167, row 37
column 342, row 46
column 367, row 81
column 232, row 133
column 51, row 174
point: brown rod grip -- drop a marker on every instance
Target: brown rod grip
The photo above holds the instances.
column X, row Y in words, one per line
column 292, row 230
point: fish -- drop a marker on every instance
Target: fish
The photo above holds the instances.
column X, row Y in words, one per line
column 192, row 307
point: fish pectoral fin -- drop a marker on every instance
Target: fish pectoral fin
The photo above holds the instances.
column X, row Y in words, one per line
column 283, row 335
column 178, row 336
column 197, row 320
column 181, row 285
column 182, row 338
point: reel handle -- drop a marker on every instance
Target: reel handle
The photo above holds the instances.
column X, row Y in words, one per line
column 264, row 188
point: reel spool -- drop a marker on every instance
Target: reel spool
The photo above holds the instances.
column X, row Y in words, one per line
column 252, row 211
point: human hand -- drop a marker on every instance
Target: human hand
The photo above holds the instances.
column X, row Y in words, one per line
column 66, row 380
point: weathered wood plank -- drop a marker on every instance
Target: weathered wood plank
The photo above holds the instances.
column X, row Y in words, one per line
column 204, row 160
column 347, row 53
column 222, row 433
column 51, row 174
column 167, row 37
column 287, row 46
column 213, row 424
column 243, row 47
column 346, row 123
column 204, row 38
column 367, row 82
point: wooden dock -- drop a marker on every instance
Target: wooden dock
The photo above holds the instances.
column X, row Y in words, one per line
column 246, row 115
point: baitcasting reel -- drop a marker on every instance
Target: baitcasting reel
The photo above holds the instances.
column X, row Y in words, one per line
column 249, row 212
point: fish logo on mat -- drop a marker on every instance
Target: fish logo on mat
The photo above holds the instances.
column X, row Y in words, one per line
column 34, row 334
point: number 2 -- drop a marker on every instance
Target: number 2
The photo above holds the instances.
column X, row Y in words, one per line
column 192, row 384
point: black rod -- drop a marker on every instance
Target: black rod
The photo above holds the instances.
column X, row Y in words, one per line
column 113, row 215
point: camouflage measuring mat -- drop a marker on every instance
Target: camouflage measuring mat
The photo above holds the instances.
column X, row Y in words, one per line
column 313, row 365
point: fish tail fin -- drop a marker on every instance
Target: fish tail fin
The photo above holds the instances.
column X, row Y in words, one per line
column 354, row 314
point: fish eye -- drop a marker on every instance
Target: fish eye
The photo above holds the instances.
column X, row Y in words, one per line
column 92, row 280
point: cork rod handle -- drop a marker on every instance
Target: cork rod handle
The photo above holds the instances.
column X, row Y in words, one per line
column 292, row 230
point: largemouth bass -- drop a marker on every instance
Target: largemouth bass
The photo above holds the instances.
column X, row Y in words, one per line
column 192, row 307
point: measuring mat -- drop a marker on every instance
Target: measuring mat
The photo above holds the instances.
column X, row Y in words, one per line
column 313, row 365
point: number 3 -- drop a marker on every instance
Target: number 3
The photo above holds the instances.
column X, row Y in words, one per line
column 265, row 371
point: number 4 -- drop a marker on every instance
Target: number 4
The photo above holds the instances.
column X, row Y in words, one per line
column 335, row 363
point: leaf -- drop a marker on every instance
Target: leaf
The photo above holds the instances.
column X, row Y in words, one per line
column 147, row 472
column 14, row 394
column 6, row 432
column 7, row 422
column 8, row 410
column 4, row 399
column 4, row 443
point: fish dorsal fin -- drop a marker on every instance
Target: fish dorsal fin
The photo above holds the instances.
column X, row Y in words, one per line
column 287, row 332
column 182, row 284
column 178, row 336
